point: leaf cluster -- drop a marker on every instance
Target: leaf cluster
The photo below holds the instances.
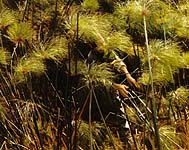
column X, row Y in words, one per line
column 26, row 66
column 165, row 59
column 55, row 50
column 179, row 97
column 169, row 138
column 6, row 18
column 96, row 73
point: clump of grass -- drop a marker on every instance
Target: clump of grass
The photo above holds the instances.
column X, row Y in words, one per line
column 92, row 28
column 55, row 50
column 6, row 18
column 91, row 5
column 168, row 137
column 179, row 97
column 159, row 17
column 19, row 32
column 96, row 73
column 28, row 66
column 4, row 56
column 117, row 41
column 186, row 59
column 165, row 59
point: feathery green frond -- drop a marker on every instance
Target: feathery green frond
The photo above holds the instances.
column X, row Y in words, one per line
column 4, row 56
column 117, row 41
column 166, row 53
column 183, row 27
column 186, row 59
column 84, row 134
column 19, row 32
column 179, row 97
column 6, row 18
column 29, row 65
column 92, row 28
column 133, row 11
column 43, row 2
column 91, row 5
column 181, row 20
column 55, row 50
column 165, row 59
column 145, row 78
column 97, row 74
column 169, row 138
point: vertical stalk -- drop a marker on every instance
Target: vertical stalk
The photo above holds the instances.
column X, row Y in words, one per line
column 164, row 34
column 90, row 125
column 154, row 113
column 76, row 59
column 103, row 120
column 25, row 9
column 77, row 40
column 132, row 135
column 69, row 101
column 37, row 129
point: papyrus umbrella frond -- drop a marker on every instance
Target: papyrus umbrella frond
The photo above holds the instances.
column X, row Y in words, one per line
column 55, row 50
column 4, row 56
column 19, row 32
column 165, row 59
column 6, row 18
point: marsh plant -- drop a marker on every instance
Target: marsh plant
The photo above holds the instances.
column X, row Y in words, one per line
column 51, row 98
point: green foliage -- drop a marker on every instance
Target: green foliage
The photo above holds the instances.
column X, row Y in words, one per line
column 19, row 32
column 169, row 138
column 92, row 28
column 186, row 59
column 55, row 50
column 84, row 135
column 179, row 97
column 91, row 5
column 117, row 41
column 4, row 56
column 6, row 18
column 165, row 59
column 27, row 66
column 98, row 73
column 37, row 121
column 183, row 19
column 159, row 17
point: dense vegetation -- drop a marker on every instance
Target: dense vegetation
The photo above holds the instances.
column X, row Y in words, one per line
column 49, row 98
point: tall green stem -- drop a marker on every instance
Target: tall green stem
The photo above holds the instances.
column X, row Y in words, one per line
column 157, row 137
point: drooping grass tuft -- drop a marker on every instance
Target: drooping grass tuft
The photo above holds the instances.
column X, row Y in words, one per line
column 159, row 17
column 6, row 18
column 91, row 5
column 19, row 32
column 179, row 97
column 56, row 50
column 169, row 138
column 186, row 59
column 98, row 74
column 165, row 59
column 92, row 28
column 117, row 41
column 27, row 66
column 4, row 56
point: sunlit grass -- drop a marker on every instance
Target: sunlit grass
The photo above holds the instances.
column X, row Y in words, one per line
column 56, row 50
column 27, row 66
column 19, row 32
column 96, row 73
column 91, row 5
column 165, row 59
column 4, row 56
column 6, row 18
